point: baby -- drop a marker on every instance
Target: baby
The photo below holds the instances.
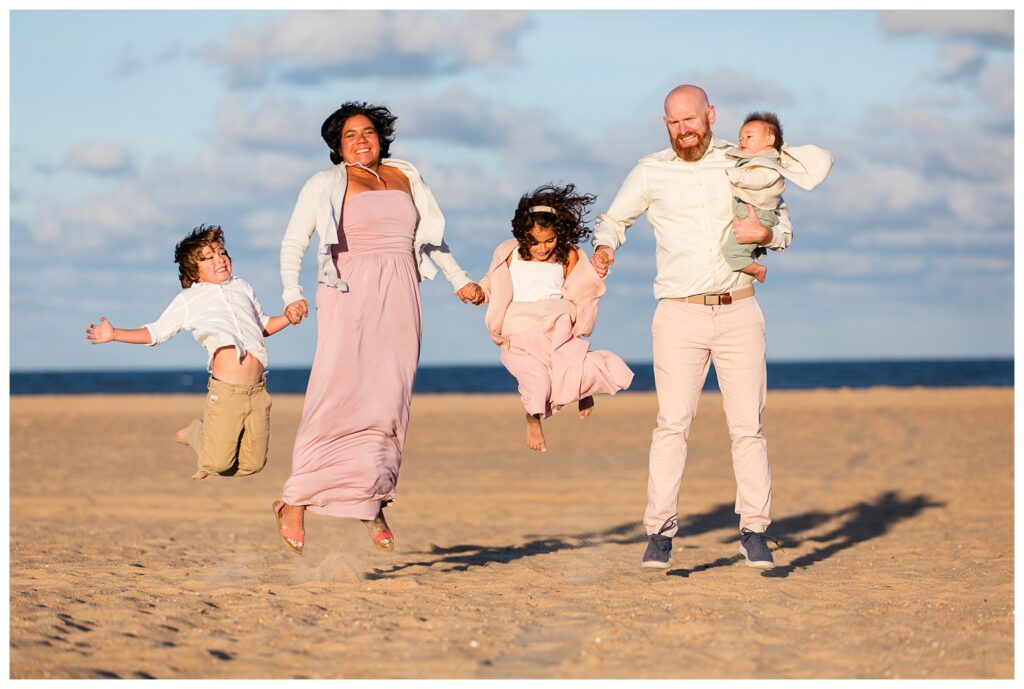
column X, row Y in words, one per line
column 225, row 318
column 762, row 160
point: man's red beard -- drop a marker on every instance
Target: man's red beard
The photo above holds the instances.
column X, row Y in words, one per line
column 693, row 152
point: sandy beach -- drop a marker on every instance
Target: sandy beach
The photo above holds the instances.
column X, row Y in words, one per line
column 894, row 509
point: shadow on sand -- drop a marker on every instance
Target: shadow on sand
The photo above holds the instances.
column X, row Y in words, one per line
column 861, row 522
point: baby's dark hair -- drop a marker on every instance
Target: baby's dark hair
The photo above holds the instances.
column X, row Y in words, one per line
column 565, row 218
column 381, row 118
column 190, row 249
column 771, row 120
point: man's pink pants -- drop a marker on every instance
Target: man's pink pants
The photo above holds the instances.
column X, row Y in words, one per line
column 687, row 337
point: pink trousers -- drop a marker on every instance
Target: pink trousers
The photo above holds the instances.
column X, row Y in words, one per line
column 687, row 338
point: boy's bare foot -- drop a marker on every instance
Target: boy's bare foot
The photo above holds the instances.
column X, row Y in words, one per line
column 586, row 406
column 535, row 433
column 182, row 436
column 760, row 272
column 199, row 475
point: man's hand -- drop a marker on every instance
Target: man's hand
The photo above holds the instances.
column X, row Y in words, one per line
column 749, row 230
column 471, row 292
column 602, row 260
column 296, row 311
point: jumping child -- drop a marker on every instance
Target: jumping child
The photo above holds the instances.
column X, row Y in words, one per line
column 225, row 317
column 542, row 295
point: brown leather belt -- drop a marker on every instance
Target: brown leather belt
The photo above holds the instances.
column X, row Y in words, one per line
column 717, row 299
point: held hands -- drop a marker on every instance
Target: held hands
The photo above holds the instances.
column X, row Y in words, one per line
column 602, row 261
column 296, row 311
column 749, row 230
column 471, row 292
column 98, row 334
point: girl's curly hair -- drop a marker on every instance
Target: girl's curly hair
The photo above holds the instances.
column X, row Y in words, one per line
column 567, row 220
column 382, row 119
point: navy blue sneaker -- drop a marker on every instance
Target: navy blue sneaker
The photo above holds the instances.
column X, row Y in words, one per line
column 659, row 548
column 754, row 547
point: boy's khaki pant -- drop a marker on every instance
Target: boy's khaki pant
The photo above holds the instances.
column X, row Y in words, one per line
column 233, row 436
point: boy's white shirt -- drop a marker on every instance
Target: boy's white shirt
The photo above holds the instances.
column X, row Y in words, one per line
column 318, row 208
column 219, row 315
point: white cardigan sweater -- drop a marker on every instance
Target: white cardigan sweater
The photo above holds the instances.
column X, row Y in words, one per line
column 319, row 208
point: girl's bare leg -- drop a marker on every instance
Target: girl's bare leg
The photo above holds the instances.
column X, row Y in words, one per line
column 535, row 433
column 586, row 406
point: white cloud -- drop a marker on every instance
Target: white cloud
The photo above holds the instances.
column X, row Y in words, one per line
column 987, row 26
column 100, row 158
column 961, row 59
column 310, row 47
column 995, row 88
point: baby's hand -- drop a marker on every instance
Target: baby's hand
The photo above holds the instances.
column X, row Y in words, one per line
column 98, row 334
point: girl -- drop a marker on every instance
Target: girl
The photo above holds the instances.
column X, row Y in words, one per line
column 542, row 295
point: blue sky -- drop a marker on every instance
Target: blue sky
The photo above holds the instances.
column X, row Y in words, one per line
column 129, row 128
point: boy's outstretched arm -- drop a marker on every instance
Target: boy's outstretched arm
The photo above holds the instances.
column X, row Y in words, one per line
column 105, row 332
column 275, row 324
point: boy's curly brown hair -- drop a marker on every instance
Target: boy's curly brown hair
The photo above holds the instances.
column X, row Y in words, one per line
column 189, row 250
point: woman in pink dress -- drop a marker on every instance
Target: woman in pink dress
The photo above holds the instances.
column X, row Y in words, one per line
column 380, row 232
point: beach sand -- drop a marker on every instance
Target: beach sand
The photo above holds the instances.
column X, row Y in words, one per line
column 894, row 508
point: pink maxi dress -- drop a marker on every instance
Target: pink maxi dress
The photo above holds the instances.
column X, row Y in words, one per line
column 348, row 448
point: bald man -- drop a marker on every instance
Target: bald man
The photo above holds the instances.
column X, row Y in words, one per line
column 706, row 312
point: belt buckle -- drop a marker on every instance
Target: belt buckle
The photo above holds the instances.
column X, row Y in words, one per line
column 719, row 299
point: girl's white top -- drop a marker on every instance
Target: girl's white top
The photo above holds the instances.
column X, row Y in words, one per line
column 225, row 315
column 535, row 281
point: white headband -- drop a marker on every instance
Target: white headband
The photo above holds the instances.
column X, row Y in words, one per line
column 542, row 209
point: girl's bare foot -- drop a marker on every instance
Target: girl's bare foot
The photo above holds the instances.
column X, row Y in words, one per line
column 586, row 406
column 535, row 433
column 199, row 475
column 182, row 436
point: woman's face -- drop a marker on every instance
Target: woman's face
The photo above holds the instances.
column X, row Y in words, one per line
column 544, row 241
column 359, row 141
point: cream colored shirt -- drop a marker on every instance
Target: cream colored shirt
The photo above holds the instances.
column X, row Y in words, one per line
column 689, row 206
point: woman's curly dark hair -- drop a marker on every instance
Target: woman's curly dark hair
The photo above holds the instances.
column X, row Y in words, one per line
column 567, row 220
column 382, row 119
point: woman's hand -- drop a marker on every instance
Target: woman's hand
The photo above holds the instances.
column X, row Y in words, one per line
column 296, row 311
column 471, row 292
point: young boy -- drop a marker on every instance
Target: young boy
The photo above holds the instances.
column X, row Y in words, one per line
column 226, row 318
column 761, row 163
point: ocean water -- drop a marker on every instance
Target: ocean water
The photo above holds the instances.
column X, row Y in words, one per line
column 495, row 379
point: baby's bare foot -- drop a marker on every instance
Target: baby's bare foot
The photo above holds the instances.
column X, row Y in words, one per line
column 535, row 433
column 760, row 272
column 586, row 406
